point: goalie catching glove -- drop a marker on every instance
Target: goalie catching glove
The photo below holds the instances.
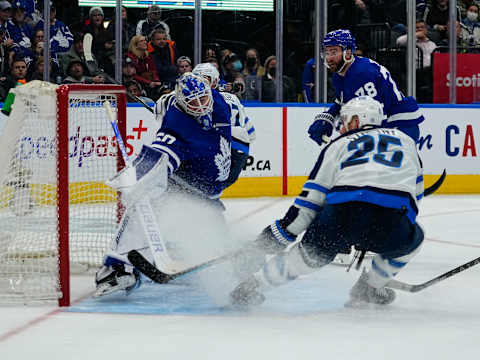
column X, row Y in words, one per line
column 322, row 128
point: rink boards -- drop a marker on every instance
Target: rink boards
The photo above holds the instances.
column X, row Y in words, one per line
column 283, row 154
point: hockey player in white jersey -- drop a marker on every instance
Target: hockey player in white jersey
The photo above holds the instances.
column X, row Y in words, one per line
column 243, row 131
column 363, row 192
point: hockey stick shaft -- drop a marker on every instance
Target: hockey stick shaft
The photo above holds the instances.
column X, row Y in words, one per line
column 87, row 51
column 395, row 284
column 430, row 190
column 160, row 277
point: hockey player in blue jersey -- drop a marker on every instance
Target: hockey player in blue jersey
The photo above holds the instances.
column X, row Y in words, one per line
column 363, row 191
column 356, row 76
column 192, row 151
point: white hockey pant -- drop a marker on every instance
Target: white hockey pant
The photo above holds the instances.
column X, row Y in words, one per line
column 287, row 266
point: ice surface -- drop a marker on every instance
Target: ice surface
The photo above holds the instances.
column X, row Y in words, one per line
column 302, row 320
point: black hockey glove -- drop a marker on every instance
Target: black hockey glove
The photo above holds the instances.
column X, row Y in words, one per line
column 322, row 128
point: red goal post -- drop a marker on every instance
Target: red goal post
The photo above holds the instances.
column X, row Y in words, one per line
column 57, row 215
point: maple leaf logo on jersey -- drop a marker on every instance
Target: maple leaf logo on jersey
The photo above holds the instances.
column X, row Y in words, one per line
column 222, row 160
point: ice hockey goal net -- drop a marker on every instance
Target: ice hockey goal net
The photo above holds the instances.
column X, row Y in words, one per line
column 57, row 149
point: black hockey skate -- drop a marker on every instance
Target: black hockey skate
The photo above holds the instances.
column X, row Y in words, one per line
column 115, row 278
column 246, row 294
column 362, row 293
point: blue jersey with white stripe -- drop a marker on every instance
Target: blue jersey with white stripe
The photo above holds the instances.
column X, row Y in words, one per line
column 198, row 156
column 366, row 77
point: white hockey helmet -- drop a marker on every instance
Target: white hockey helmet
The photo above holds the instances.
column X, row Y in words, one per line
column 208, row 71
column 193, row 94
column 368, row 110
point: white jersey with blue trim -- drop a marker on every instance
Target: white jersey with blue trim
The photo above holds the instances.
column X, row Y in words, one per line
column 243, row 131
column 377, row 165
column 366, row 77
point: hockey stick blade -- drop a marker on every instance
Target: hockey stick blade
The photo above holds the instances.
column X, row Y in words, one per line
column 395, row 284
column 430, row 190
column 158, row 276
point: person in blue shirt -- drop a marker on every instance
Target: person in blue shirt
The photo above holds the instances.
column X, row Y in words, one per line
column 355, row 76
column 308, row 78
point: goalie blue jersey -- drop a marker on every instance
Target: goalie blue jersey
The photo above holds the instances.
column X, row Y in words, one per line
column 366, row 77
column 198, row 156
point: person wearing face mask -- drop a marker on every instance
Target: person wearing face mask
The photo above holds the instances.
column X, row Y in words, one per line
column 252, row 73
column 268, row 83
column 472, row 25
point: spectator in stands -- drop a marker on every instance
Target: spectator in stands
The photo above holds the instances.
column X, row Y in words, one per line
column 18, row 75
column 471, row 25
column 210, row 52
column 37, row 72
column 102, row 43
column 128, row 70
column 152, row 22
column 76, row 74
column 184, row 64
column 19, row 30
column 422, row 41
column 252, row 63
column 133, row 87
column 308, row 78
column 436, row 17
column 7, row 41
column 232, row 67
column 92, row 70
column 268, row 86
column 464, row 5
column 4, row 54
column 61, row 39
column 165, row 55
column 463, row 43
column 128, row 30
column 146, row 72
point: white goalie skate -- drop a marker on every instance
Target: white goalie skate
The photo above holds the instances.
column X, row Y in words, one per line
column 115, row 278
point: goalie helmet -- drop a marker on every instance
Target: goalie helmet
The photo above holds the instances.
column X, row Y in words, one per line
column 342, row 38
column 193, row 95
column 368, row 110
column 209, row 71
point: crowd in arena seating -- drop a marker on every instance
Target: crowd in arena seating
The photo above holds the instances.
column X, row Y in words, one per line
column 152, row 60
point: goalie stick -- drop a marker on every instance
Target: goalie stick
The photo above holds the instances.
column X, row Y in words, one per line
column 87, row 52
column 144, row 209
column 395, row 284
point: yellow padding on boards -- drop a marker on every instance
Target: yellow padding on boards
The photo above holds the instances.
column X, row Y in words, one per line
column 81, row 192
column 272, row 186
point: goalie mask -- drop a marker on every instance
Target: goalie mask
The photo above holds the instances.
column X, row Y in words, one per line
column 193, row 95
column 368, row 111
column 208, row 71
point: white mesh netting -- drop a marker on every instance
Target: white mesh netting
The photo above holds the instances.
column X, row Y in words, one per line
column 28, row 183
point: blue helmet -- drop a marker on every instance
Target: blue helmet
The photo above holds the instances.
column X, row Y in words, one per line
column 342, row 38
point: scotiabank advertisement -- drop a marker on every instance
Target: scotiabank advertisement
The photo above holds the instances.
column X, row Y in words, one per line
column 468, row 78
